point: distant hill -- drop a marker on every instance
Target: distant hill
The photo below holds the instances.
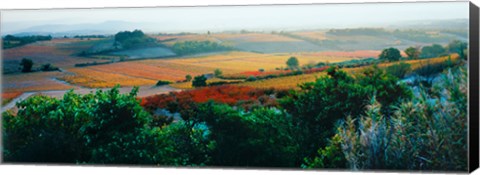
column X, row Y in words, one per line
column 450, row 24
column 59, row 30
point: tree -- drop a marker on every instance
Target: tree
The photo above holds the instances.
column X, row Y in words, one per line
column 292, row 62
column 390, row 54
column 320, row 104
column 262, row 138
column 101, row 127
column 459, row 47
column 412, row 52
column 27, row 65
column 188, row 77
column 199, row 81
column 217, row 73
column 434, row 50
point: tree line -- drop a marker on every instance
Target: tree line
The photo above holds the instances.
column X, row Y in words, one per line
column 10, row 41
column 434, row 50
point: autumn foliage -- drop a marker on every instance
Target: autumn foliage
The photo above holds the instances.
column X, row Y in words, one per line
column 232, row 95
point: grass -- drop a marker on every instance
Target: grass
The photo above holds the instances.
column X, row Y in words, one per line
column 292, row 82
column 92, row 78
column 37, row 81
column 236, row 62
column 253, row 37
column 317, row 35
column 9, row 96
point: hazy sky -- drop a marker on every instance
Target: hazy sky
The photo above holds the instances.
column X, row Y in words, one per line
column 243, row 17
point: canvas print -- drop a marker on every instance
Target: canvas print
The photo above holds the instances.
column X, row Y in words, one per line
column 366, row 86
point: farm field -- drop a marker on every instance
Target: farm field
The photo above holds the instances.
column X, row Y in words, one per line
column 316, row 35
column 8, row 96
column 91, row 78
column 38, row 81
column 151, row 70
column 152, row 52
column 169, row 40
column 57, row 52
column 292, row 82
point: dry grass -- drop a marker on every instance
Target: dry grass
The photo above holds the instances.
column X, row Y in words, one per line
column 288, row 82
column 99, row 79
column 145, row 71
column 254, row 37
column 316, row 35
column 353, row 54
column 37, row 81
column 236, row 62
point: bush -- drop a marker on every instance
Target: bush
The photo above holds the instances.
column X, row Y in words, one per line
column 390, row 54
column 322, row 103
column 188, row 77
column 193, row 47
column 251, row 78
column 26, row 64
column 105, row 127
column 218, row 83
column 199, row 81
column 133, row 39
column 217, row 72
column 399, row 70
column 415, row 137
column 49, row 67
column 432, row 51
column 162, row 82
column 240, row 138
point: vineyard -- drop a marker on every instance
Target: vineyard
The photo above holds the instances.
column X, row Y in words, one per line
column 33, row 82
column 91, row 78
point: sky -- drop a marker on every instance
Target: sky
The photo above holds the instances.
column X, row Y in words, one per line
column 217, row 18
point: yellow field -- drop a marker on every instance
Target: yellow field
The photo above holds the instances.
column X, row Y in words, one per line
column 317, row 35
column 254, row 37
column 98, row 79
column 236, row 62
column 290, row 82
column 146, row 72
column 418, row 63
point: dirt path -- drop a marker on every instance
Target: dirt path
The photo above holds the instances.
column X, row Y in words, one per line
column 12, row 103
column 143, row 92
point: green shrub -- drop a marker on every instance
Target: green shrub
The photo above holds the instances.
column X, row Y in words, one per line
column 193, row 47
column 425, row 133
column 199, row 81
column 104, row 127
column 162, row 82
column 251, row 78
column 399, row 70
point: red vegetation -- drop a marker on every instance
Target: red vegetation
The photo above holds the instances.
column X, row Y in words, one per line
column 232, row 95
